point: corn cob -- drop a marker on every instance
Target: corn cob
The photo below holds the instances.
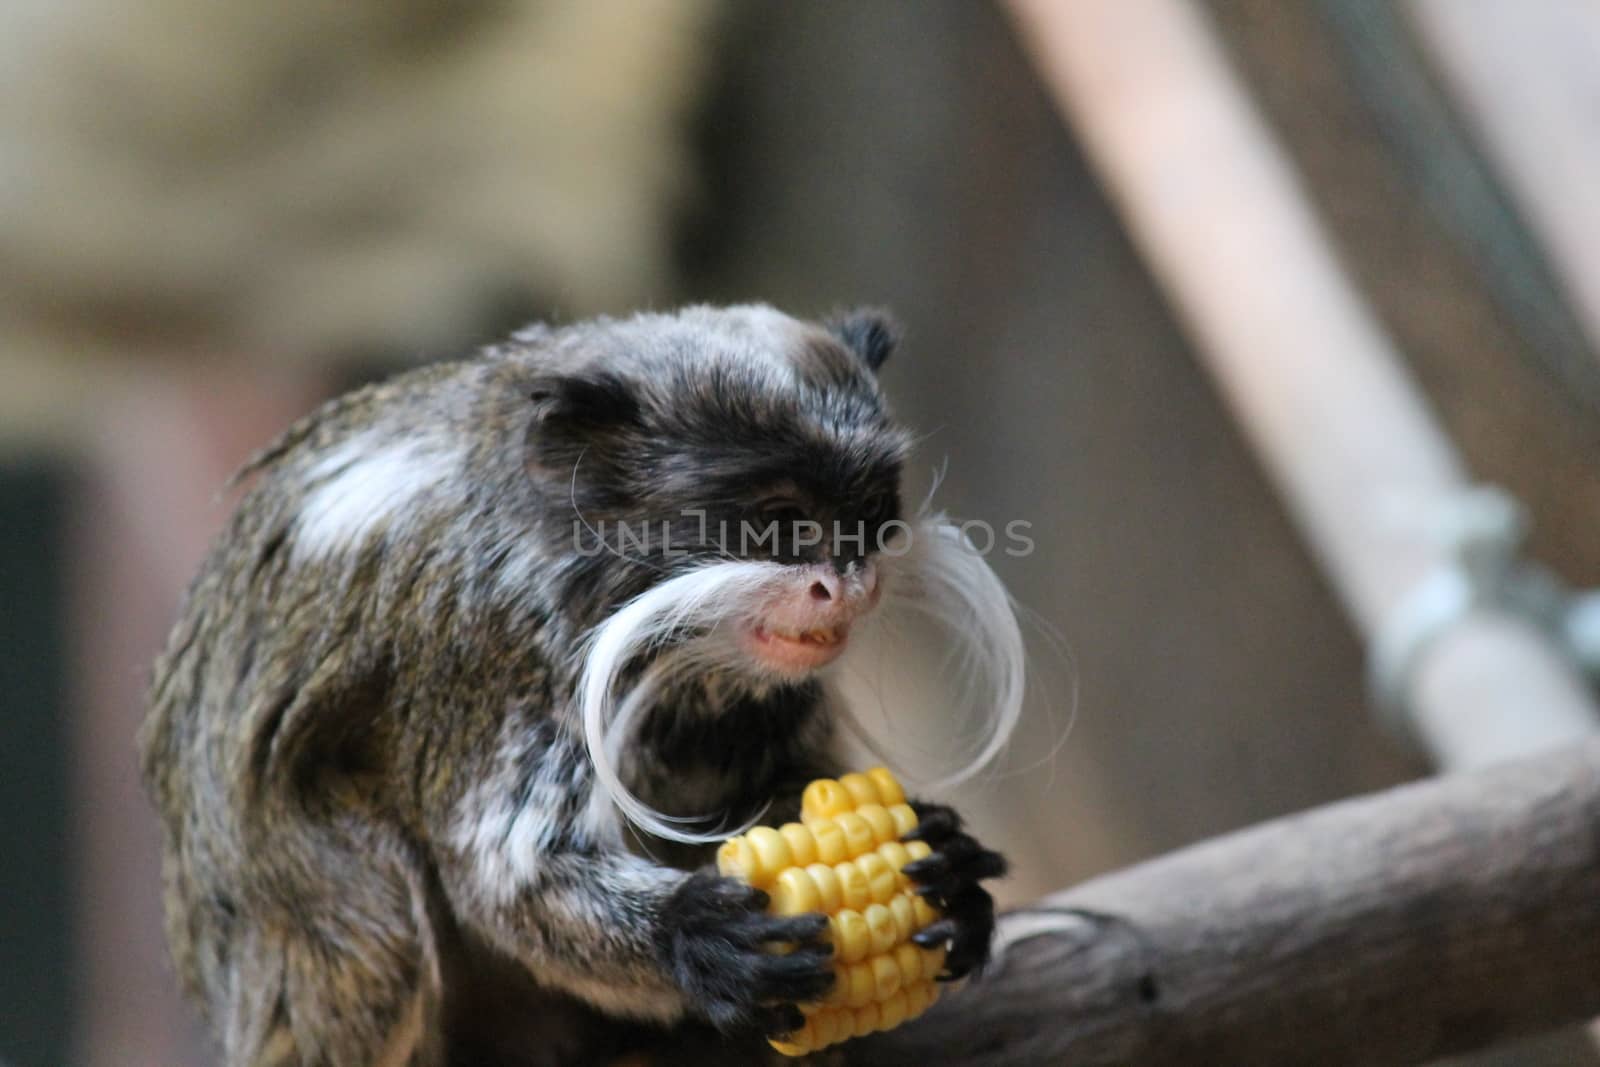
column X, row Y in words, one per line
column 843, row 859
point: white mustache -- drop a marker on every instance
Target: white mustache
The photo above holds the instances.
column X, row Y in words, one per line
column 687, row 620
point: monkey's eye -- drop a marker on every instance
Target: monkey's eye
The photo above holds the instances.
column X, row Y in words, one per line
column 878, row 508
column 783, row 510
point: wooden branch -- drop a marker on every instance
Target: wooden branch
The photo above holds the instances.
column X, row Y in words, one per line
column 1391, row 929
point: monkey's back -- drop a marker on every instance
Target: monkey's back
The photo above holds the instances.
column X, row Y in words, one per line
column 276, row 713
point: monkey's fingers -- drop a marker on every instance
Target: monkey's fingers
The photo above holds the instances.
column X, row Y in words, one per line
column 798, row 929
column 779, row 1020
column 966, row 931
column 935, row 823
column 960, row 862
column 805, row 974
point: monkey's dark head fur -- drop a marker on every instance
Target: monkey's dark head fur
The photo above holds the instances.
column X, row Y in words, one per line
column 377, row 776
column 666, row 438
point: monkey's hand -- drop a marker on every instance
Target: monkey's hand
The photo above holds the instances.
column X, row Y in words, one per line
column 948, row 879
column 739, row 965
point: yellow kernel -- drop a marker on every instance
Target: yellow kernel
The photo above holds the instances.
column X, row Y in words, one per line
column 831, row 1028
column 802, row 843
column 857, row 833
column 905, row 916
column 932, row 963
column 866, row 1019
column 905, row 820
column 892, row 1011
column 831, row 847
column 862, row 789
column 823, row 799
column 894, row 854
column 880, row 927
column 882, row 882
column 794, row 893
column 839, row 992
column 799, row 1043
column 827, row 882
column 924, row 912
column 737, row 858
column 885, row 977
column 918, row 850
column 859, row 984
column 919, row 998
column 908, row 958
column 771, row 850
column 848, row 932
column 882, row 823
column 853, row 888
column 889, row 791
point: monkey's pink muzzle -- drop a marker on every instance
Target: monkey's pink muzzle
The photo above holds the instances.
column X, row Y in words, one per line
column 805, row 622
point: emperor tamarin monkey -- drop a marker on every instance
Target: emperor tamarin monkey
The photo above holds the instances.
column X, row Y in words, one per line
column 488, row 653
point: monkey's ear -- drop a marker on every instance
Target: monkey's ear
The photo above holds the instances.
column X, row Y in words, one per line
column 577, row 415
column 584, row 401
column 871, row 333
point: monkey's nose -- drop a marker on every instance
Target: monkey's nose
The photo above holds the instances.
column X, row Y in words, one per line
column 851, row 590
column 826, row 588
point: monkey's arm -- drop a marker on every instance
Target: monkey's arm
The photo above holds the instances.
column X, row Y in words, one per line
column 623, row 933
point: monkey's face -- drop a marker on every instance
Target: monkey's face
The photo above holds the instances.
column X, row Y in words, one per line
column 723, row 490
column 718, row 436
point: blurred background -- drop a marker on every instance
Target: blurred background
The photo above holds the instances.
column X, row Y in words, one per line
column 212, row 215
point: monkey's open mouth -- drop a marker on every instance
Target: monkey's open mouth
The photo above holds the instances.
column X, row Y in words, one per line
column 797, row 650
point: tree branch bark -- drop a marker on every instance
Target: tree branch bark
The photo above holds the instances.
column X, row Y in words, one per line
column 1391, row 929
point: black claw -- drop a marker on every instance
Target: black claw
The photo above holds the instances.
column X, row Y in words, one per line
column 936, row 933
